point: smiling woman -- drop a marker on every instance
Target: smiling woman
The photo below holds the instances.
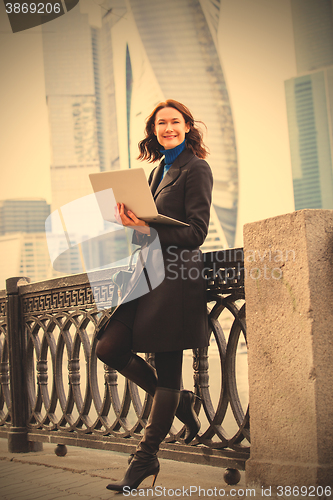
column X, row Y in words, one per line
column 172, row 316
column 170, row 127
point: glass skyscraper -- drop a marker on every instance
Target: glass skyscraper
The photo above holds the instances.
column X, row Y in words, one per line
column 104, row 77
column 71, row 85
column 23, row 215
column 163, row 50
column 22, row 239
column 309, row 99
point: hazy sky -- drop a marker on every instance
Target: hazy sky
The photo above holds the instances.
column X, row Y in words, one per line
column 256, row 44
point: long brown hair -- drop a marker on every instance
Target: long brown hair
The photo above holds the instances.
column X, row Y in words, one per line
column 150, row 148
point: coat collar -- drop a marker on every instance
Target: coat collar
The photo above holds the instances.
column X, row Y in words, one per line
column 172, row 174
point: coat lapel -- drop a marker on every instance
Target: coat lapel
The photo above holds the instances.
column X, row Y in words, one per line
column 157, row 174
column 173, row 172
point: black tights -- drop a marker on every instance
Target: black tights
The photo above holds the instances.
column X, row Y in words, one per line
column 115, row 349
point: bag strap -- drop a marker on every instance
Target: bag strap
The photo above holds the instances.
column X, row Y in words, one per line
column 145, row 272
column 130, row 265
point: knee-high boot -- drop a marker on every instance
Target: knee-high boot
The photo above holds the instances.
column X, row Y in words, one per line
column 145, row 462
column 144, row 375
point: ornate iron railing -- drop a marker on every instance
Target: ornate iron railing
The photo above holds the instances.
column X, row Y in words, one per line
column 53, row 388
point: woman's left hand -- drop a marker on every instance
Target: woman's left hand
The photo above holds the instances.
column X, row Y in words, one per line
column 129, row 219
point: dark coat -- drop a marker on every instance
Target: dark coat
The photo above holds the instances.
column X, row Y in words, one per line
column 173, row 316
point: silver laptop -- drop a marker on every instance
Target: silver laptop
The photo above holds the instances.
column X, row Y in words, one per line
column 131, row 188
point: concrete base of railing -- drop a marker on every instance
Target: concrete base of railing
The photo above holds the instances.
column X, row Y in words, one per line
column 289, row 301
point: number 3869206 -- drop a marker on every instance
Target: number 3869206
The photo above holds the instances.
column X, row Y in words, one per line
column 33, row 8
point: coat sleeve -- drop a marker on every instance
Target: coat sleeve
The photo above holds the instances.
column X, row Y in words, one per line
column 197, row 200
column 140, row 238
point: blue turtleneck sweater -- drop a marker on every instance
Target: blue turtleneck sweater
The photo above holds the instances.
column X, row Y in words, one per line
column 170, row 155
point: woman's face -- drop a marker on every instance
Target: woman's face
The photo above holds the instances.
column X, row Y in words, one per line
column 170, row 127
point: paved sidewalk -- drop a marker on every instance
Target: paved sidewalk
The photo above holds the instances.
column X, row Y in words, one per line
column 84, row 473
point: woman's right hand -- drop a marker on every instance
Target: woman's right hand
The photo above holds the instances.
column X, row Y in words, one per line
column 129, row 219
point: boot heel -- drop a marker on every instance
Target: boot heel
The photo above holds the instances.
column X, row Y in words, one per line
column 154, row 480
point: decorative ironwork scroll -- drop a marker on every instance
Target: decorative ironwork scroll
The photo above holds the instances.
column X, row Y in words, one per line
column 72, row 394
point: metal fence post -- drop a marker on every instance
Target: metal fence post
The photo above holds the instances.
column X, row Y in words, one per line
column 17, row 436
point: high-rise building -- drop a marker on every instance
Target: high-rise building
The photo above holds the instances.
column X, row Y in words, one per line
column 24, row 254
column 309, row 98
column 72, row 82
column 157, row 50
column 26, row 215
column 104, row 76
column 23, row 246
column 216, row 239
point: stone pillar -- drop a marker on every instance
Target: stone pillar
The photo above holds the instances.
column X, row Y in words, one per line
column 289, row 311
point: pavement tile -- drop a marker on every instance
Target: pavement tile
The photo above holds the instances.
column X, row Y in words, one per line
column 13, row 471
column 106, row 494
column 11, row 489
column 73, row 496
column 45, row 496
column 90, row 482
column 8, row 481
column 76, row 488
column 43, row 482
column 24, row 491
column 69, row 482
column 5, row 464
column 15, row 467
column 63, row 496
column 81, row 476
column 57, row 497
column 88, row 490
column 47, row 471
column 18, row 478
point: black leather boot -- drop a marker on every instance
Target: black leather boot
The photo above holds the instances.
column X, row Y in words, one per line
column 145, row 462
column 144, row 375
column 141, row 373
column 186, row 414
column 139, row 469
